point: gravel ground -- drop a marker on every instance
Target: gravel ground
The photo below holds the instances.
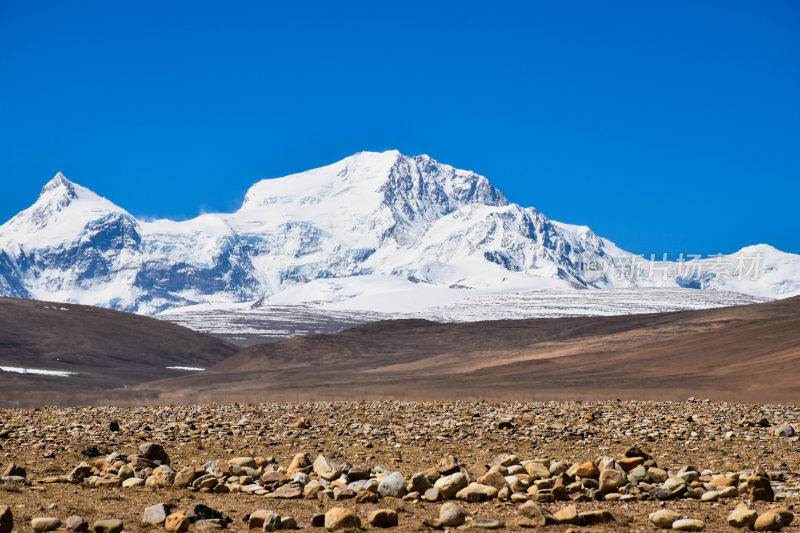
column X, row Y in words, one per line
column 588, row 451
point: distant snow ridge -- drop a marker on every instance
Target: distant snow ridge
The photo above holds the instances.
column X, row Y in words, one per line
column 375, row 228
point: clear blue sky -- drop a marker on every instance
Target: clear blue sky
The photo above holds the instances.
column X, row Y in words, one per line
column 666, row 126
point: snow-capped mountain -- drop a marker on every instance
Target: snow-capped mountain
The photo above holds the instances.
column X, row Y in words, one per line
column 380, row 225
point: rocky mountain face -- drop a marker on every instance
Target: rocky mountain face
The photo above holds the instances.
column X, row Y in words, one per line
column 371, row 222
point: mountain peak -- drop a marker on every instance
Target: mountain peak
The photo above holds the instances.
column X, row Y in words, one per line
column 59, row 181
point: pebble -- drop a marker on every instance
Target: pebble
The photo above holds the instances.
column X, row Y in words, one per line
column 382, row 518
column 506, row 477
column 393, row 486
column 742, row 516
column 688, row 524
column 531, row 514
column 77, row 523
column 156, row 514
column 664, row 518
column 45, row 523
column 326, row 469
column 773, row 520
column 450, row 485
column 176, row 523
column 475, row 492
column 760, row 488
column 487, row 523
column 263, row 519
column 567, row 515
column 107, row 526
column 710, row 496
column 340, row 518
column 451, row 515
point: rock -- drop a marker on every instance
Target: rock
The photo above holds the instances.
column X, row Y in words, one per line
column 45, row 523
column 343, row 494
column 759, row 487
column 176, row 523
column 156, row 514
column 154, row 452
column 14, row 470
column 537, row 470
column 209, row 525
column 638, row 474
column 449, row 485
column 303, row 423
column 773, row 520
column 163, row 476
column 710, row 496
column 629, row 463
column 341, row 518
column 77, row 523
column 635, row 451
column 723, row 481
column 688, row 524
column 263, row 519
column 300, row 463
column 359, row 473
column 593, row 518
column 477, row 470
column 6, row 519
column 784, row 430
column 311, row 490
column 288, row 522
column 657, row 475
column 79, row 473
column 133, row 482
column 272, row 521
column 273, row 479
column 112, row 425
column 611, row 480
column 325, row 469
column 475, row 492
column 447, row 465
column 288, row 492
column 742, row 516
column 393, row 486
column 365, row 496
column 531, row 514
column 432, row 494
column 107, row 526
column 493, row 478
column 664, row 518
column 365, row 484
column 587, row 469
column 567, row 515
column 504, row 459
column 184, row 477
column 243, row 462
column 487, row 523
column 419, row 483
column 451, row 515
column 318, row 520
column 382, row 518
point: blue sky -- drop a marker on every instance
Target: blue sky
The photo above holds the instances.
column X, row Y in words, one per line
column 664, row 126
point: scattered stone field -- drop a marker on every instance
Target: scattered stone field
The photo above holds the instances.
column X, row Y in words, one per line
column 404, row 466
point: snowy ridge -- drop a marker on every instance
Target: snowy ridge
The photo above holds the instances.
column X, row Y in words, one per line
column 380, row 230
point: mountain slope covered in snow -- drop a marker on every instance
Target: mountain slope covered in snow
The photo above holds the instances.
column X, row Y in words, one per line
column 379, row 225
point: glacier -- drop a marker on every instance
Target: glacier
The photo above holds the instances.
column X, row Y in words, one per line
column 382, row 232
